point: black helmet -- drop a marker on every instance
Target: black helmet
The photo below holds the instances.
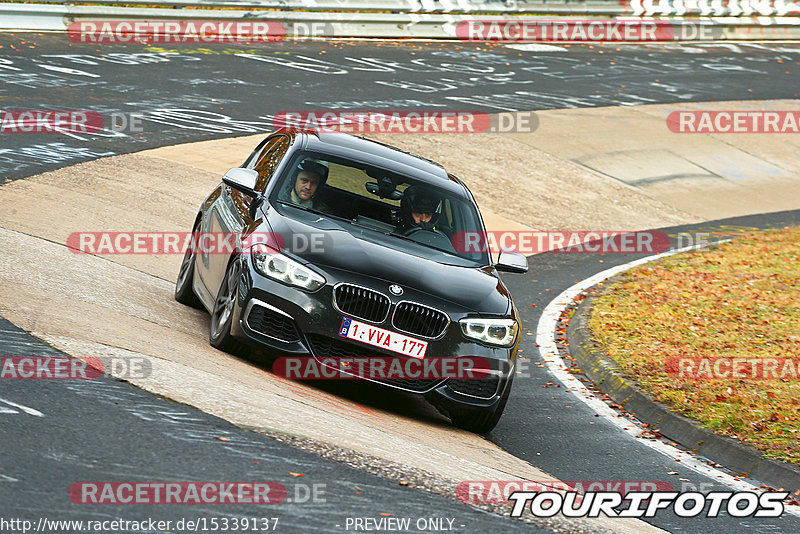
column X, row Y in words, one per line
column 315, row 167
column 417, row 199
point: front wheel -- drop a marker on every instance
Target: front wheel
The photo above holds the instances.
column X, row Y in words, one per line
column 222, row 314
column 482, row 420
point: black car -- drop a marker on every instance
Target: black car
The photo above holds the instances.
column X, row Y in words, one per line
column 333, row 232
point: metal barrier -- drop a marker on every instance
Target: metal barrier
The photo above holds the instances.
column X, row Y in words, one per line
column 425, row 19
column 565, row 7
column 706, row 8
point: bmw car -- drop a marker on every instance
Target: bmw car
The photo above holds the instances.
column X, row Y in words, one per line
column 339, row 241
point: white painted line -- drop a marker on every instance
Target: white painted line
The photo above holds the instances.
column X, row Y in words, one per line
column 29, row 411
column 536, row 47
column 546, row 339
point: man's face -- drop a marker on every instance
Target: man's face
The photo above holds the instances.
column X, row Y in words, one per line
column 421, row 216
column 306, row 184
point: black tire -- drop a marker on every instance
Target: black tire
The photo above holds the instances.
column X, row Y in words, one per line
column 183, row 286
column 482, row 421
column 219, row 335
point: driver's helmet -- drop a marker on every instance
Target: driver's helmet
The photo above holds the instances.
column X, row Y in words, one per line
column 418, row 199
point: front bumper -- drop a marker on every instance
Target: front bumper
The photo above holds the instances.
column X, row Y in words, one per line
column 293, row 322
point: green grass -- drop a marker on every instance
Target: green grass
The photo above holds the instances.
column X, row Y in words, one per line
column 741, row 299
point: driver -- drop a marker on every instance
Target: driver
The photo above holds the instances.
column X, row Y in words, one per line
column 419, row 208
column 311, row 175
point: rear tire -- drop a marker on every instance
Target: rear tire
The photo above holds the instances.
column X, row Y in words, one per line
column 482, row 420
column 183, row 286
column 222, row 314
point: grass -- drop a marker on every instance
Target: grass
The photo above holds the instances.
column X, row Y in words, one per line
column 741, row 299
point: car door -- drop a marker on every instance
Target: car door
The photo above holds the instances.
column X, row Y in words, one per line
column 229, row 214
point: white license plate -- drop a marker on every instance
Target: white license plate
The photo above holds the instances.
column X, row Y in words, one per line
column 385, row 339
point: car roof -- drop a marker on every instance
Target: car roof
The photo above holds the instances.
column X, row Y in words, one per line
column 385, row 156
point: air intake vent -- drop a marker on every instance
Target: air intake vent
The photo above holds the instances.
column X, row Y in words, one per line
column 272, row 324
column 361, row 302
column 419, row 320
column 484, row 388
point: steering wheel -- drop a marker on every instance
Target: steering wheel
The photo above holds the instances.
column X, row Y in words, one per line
column 434, row 238
column 416, row 229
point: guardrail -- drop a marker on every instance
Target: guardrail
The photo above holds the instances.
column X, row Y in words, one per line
column 705, row 8
column 421, row 20
column 566, row 7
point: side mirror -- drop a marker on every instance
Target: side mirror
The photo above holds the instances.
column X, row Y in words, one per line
column 243, row 180
column 512, row 262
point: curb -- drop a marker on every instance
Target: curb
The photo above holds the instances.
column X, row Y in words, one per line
column 607, row 376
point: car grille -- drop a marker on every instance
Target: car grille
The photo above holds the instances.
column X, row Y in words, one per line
column 419, row 320
column 361, row 302
column 484, row 388
column 272, row 324
column 326, row 347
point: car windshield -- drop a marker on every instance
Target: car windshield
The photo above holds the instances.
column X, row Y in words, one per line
column 402, row 212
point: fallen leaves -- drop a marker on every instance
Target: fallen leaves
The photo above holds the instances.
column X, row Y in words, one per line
column 737, row 300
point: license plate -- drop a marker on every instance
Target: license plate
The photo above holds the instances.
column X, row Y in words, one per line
column 385, row 339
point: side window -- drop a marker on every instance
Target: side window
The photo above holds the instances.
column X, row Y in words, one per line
column 266, row 163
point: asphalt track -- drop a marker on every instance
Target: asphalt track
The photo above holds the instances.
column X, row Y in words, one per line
column 105, row 429
column 191, row 94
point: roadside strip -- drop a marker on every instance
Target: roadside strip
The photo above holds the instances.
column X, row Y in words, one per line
column 546, row 339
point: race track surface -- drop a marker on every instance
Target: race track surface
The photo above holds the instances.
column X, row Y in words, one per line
column 107, row 430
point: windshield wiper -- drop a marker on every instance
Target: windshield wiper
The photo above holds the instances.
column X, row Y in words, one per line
column 406, row 238
column 426, row 245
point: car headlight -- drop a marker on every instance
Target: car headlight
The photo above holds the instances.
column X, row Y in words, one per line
column 278, row 267
column 494, row 331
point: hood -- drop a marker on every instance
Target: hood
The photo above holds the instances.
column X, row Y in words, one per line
column 341, row 246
